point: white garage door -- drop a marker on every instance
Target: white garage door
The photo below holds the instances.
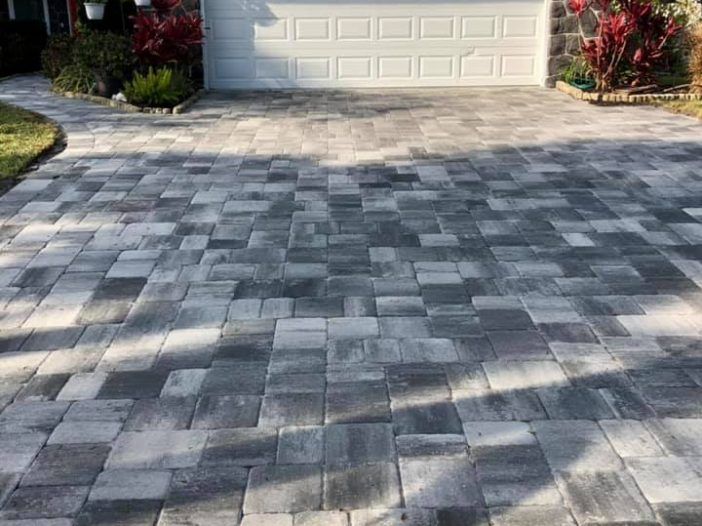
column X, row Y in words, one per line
column 356, row 43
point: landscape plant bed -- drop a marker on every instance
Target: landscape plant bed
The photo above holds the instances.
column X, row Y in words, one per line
column 131, row 108
column 623, row 96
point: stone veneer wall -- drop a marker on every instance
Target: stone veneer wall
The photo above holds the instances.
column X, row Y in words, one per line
column 564, row 38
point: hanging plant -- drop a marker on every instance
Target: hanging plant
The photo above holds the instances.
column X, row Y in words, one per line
column 95, row 9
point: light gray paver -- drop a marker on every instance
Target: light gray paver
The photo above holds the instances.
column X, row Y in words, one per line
column 576, row 445
column 678, row 437
column 320, row 518
column 183, row 382
column 506, row 376
column 683, row 478
column 131, row 485
column 267, row 519
column 393, row 517
column 85, row 432
column 274, row 489
column 498, row 434
column 607, row 497
column 365, row 486
column 526, row 515
column 82, row 386
column 629, row 438
column 437, row 479
column 17, row 450
column 301, row 445
column 157, row 449
column 224, row 487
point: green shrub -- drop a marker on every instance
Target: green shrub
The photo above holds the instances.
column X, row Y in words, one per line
column 161, row 88
column 107, row 55
column 578, row 71
column 57, row 55
column 74, row 78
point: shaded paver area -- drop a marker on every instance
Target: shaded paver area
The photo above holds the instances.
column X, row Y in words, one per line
column 422, row 308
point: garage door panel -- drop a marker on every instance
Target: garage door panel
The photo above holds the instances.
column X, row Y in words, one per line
column 354, row 28
column 272, row 68
column 436, row 67
column 234, row 29
column 313, row 68
column 314, row 29
column 233, row 69
column 479, row 27
column 478, row 68
column 390, row 67
column 289, row 44
column 395, row 28
column 437, row 27
column 520, row 27
column 270, row 29
column 355, row 68
column 518, row 65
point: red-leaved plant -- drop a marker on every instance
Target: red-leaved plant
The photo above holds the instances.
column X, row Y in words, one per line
column 164, row 6
column 605, row 51
column 165, row 37
column 654, row 32
column 632, row 36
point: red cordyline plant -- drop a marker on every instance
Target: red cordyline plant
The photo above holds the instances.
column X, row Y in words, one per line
column 631, row 36
column 165, row 37
column 654, row 32
column 165, row 6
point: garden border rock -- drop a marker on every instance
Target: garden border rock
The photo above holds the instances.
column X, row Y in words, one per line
column 131, row 108
column 622, row 98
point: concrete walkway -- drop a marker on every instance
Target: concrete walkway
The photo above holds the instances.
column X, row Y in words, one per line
column 371, row 308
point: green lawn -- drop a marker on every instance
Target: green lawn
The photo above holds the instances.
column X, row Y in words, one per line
column 24, row 136
column 693, row 108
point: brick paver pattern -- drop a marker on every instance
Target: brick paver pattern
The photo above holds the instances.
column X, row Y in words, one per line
column 366, row 308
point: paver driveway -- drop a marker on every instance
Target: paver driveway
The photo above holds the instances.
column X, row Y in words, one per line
column 378, row 308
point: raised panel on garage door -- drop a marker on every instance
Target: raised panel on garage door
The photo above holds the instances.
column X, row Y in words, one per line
column 354, row 43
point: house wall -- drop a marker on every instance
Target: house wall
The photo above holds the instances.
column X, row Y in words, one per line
column 57, row 10
column 58, row 16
